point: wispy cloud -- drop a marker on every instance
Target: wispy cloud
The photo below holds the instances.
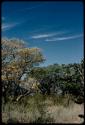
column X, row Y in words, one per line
column 65, row 38
column 39, row 36
column 30, row 8
column 8, row 26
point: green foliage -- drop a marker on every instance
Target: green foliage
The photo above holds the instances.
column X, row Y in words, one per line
column 68, row 78
column 18, row 60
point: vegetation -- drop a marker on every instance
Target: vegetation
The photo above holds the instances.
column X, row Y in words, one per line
column 17, row 60
column 67, row 78
column 38, row 94
column 42, row 109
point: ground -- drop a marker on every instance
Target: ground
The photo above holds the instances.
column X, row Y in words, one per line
column 43, row 109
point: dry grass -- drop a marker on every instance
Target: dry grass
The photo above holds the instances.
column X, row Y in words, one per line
column 42, row 109
column 62, row 114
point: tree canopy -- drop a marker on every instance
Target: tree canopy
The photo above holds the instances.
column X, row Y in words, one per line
column 18, row 59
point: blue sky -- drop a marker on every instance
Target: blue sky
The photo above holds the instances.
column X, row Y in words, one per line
column 55, row 27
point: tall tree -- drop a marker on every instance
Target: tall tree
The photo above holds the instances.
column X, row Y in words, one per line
column 17, row 60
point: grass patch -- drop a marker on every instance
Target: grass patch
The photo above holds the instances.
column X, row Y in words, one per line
column 40, row 109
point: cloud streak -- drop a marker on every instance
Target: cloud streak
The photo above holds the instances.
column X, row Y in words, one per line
column 30, row 8
column 65, row 38
column 8, row 26
column 40, row 36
